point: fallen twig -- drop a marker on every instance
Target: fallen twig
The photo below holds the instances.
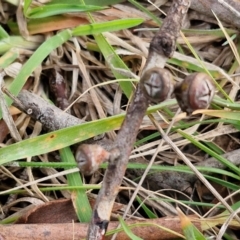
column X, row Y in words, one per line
column 161, row 48
column 227, row 10
column 50, row 116
column 151, row 229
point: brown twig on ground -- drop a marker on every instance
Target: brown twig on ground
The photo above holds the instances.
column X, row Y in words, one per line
column 161, row 48
column 227, row 10
column 50, row 116
column 147, row 229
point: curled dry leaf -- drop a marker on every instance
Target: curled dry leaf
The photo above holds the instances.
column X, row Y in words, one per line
column 196, row 91
column 89, row 157
column 157, row 84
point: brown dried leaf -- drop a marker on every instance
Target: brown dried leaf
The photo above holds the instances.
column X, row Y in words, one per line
column 57, row 211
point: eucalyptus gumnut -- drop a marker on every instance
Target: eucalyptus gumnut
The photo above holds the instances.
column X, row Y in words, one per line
column 157, row 84
column 196, row 91
column 89, row 157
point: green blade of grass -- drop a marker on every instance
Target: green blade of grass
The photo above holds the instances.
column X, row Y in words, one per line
column 109, row 53
column 114, row 60
column 225, row 103
column 227, row 184
column 80, row 200
column 211, row 32
column 233, row 115
column 9, row 57
column 58, row 139
column 127, row 230
column 3, row 33
column 188, row 64
column 58, row 188
column 56, row 9
column 115, row 25
column 26, row 6
column 160, row 168
column 189, row 230
column 7, row 44
column 210, row 152
column 103, row 2
column 203, row 65
column 145, row 10
column 147, row 211
column 214, row 147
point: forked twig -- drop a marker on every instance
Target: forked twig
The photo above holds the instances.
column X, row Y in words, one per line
column 161, row 48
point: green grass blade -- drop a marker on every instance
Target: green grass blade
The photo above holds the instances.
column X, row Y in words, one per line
column 233, row 115
column 210, row 152
column 3, row 33
column 9, row 57
column 114, row 25
column 80, row 199
column 147, row 211
column 58, row 188
column 103, row 2
column 127, row 230
column 192, row 233
column 56, row 9
column 58, row 139
column 224, row 183
column 109, row 53
column 45, row 164
column 26, row 6
column 17, row 42
column 214, row 147
column 189, row 230
column 202, row 64
column 145, row 10
column 115, row 61
column 212, row 32
column 179, row 168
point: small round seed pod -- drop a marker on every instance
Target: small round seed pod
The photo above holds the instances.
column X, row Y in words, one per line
column 89, row 157
column 157, row 84
column 196, row 91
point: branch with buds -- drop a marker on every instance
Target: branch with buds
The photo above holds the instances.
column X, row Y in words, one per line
column 150, row 88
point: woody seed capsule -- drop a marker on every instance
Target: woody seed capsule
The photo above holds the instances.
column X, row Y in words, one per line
column 89, row 157
column 196, row 91
column 157, row 84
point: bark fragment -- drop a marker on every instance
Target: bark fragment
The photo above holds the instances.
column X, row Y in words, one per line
column 227, row 10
